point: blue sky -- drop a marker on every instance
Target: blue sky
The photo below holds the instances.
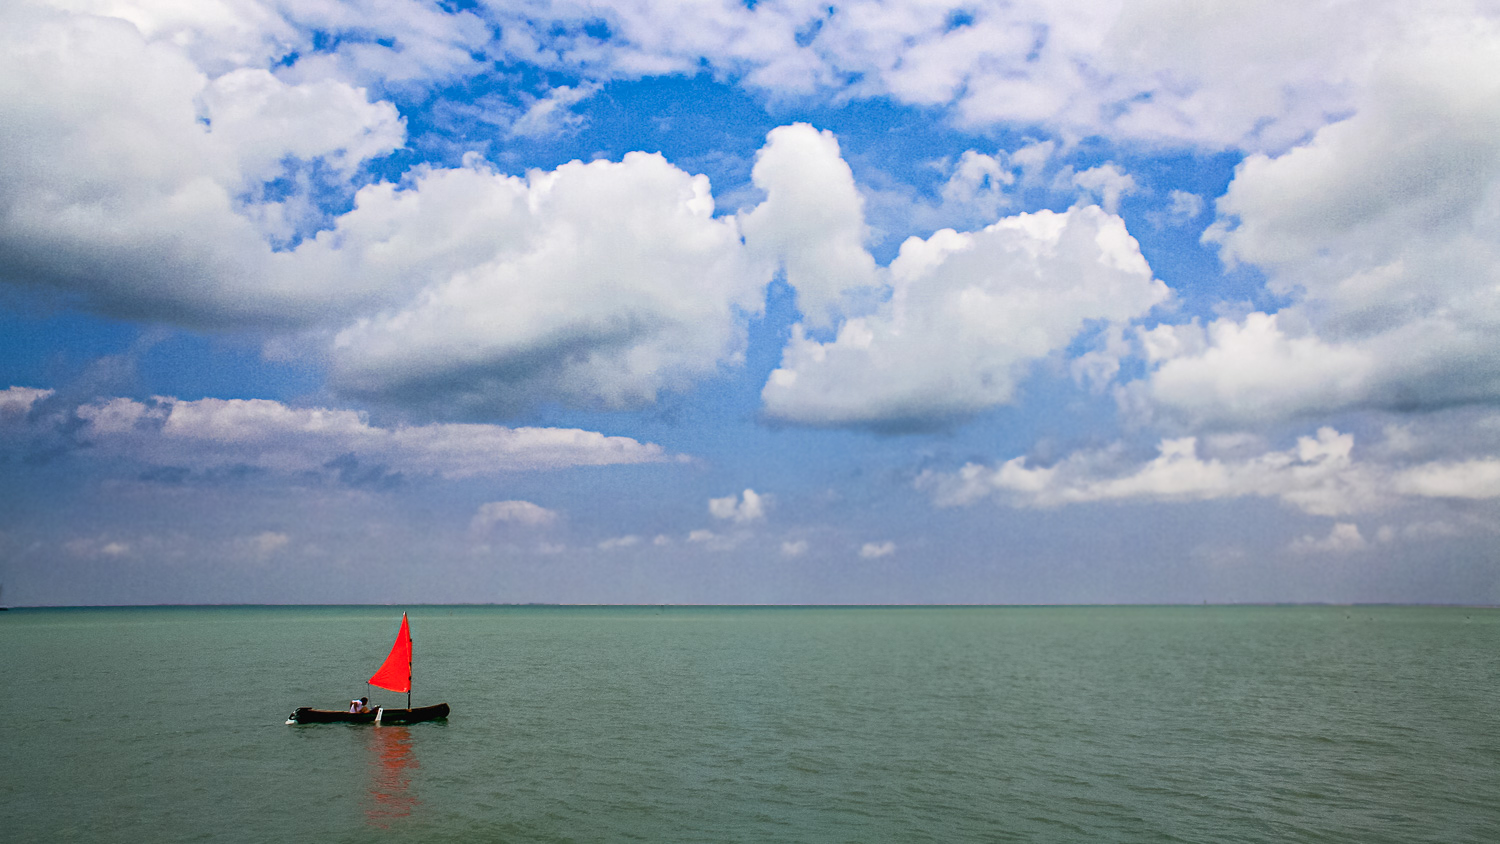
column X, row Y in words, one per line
column 774, row 302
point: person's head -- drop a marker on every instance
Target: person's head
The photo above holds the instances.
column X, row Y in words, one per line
column 364, row 700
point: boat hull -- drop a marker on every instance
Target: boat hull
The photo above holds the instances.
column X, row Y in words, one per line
column 308, row 715
column 435, row 712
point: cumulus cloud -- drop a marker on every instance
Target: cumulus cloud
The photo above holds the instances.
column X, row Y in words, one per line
column 1105, row 184
column 218, row 433
column 1383, row 230
column 596, row 284
column 521, row 513
column 617, row 542
column 141, row 162
column 1237, row 372
column 968, row 314
column 876, row 550
column 794, row 547
column 812, row 220
column 955, row 321
column 748, row 507
column 178, row 162
column 149, row 187
column 134, row 176
column 978, row 184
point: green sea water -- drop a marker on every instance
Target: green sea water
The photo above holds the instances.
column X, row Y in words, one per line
column 1212, row 724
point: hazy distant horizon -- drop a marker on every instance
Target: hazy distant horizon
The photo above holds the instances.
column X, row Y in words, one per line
column 748, row 606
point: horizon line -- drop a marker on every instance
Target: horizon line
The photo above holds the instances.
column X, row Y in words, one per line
column 566, row 605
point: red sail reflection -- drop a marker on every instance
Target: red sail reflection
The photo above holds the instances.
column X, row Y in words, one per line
column 391, row 766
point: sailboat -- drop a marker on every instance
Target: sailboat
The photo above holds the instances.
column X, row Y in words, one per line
column 393, row 675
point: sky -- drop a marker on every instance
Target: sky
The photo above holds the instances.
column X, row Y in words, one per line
column 653, row 301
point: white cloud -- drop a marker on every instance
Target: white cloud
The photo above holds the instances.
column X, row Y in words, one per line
column 596, row 284
column 812, row 220
column 618, row 542
column 1475, row 479
column 523, row 513
column 794, row 548
column 143, row 136
column 219, row 35
column 390, row 41
column 875, row 550
column 1246, row 371
column 136, row 159
column 133, row 176
column 1097, row 368
column 1259, row 74
column 1344, row 538
column 139, row 182
column 714, row 541
column 265, row 120
column 218, row 433
column 1253, row 74
column 551, row 114
column 1318, row 475
column 1384, row 230
column 749, row 507
column 1106, row 183
column 978, row 184
column 1184, row 207
column 978, row 187
column 968, row 314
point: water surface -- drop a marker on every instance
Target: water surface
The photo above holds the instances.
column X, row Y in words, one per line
column 1216, row 724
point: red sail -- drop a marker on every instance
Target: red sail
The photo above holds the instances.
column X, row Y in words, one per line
column 395, row 673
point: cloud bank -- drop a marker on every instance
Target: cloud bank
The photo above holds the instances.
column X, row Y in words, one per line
column 209, row 434
column 1320, row 475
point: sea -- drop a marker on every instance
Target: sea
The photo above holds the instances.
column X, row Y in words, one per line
column 757, row 724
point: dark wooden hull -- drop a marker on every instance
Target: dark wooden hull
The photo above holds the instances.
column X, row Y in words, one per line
column 308, row 715
column 434, row 712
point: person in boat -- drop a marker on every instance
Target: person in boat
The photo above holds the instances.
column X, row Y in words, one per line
column 359, row 705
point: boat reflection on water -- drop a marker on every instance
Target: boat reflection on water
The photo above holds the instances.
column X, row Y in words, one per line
column 392, row 763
